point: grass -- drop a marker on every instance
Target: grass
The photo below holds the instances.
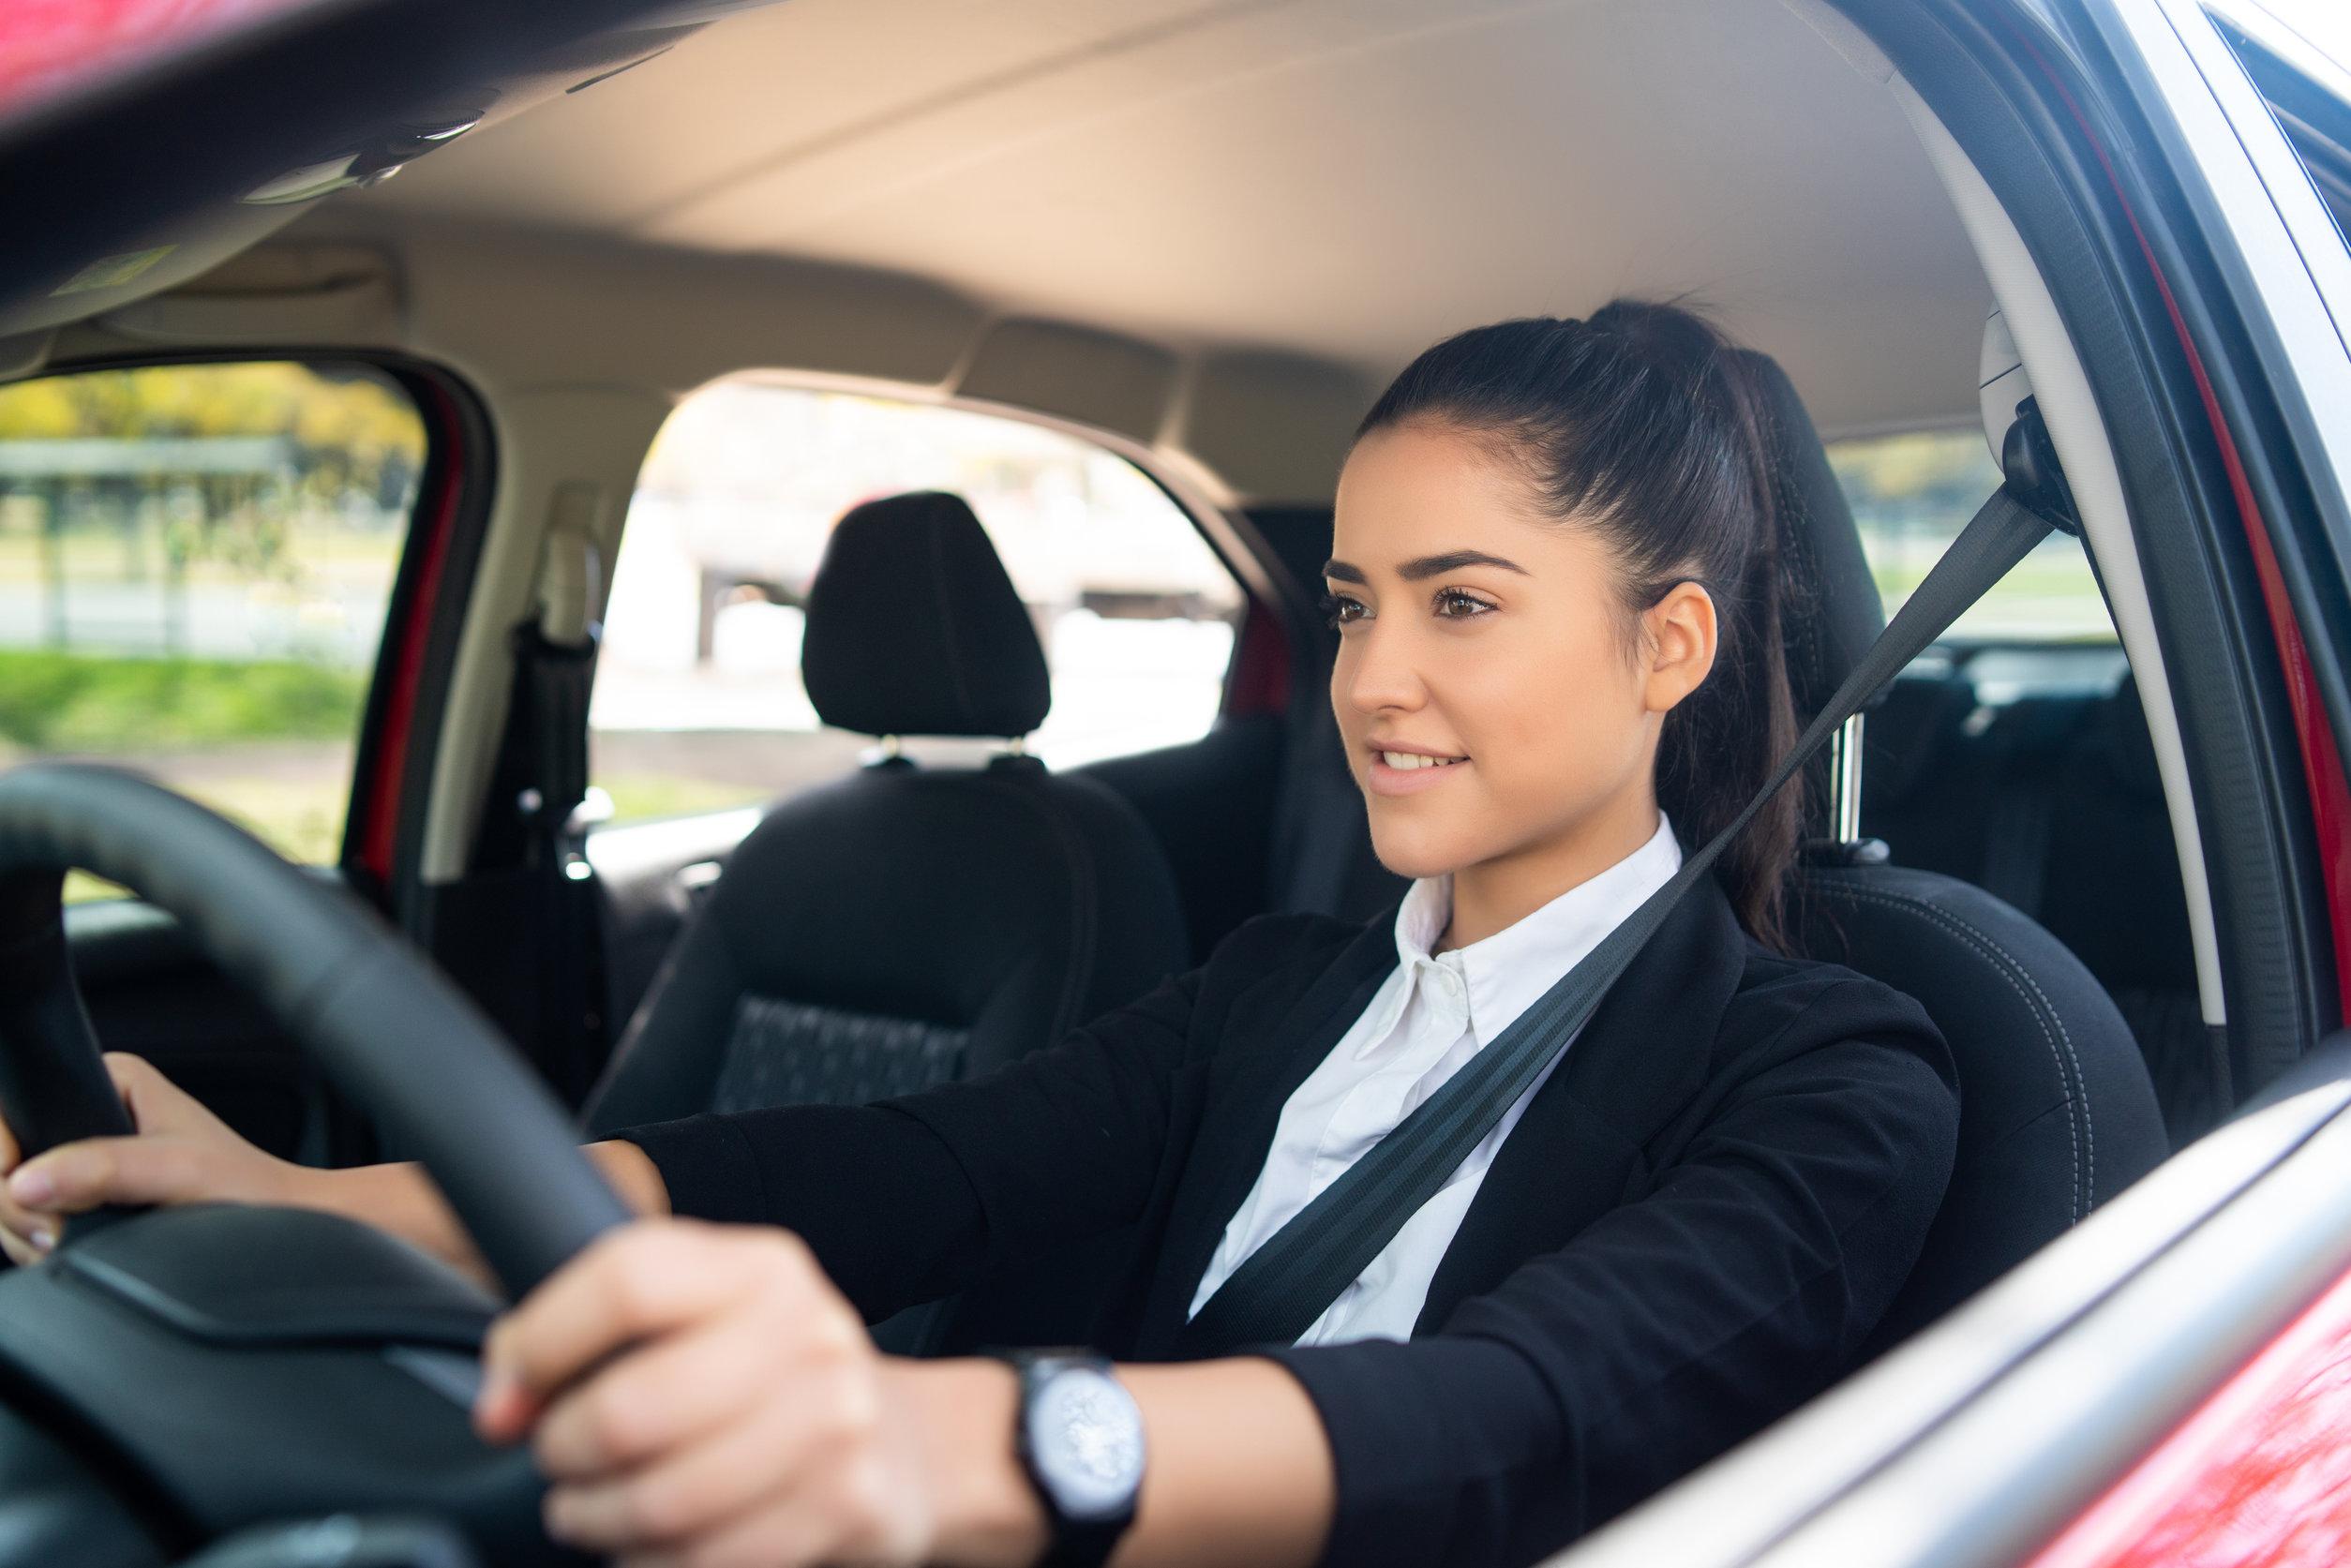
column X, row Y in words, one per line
column 78, row 702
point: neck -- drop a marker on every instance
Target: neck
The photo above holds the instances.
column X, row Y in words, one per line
column 1497, row 894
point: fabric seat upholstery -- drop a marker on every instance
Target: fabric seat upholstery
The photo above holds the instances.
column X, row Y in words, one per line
column 904, row 925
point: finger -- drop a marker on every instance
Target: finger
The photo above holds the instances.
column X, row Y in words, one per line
column 32, row 1234
column 24, row 1250
column 10, row 1153
column 634, row 1282
column 78, row 1176
column 706, row 1483
column 650, row 1400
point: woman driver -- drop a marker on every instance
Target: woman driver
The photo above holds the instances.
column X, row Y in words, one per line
column 1556, row 584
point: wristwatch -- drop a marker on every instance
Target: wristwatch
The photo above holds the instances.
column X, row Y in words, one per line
column 1079, row 1435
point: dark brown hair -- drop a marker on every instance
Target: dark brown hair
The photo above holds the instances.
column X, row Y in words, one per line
column 1643, row 424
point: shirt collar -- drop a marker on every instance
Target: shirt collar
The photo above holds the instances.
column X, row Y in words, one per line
column 1508, row 970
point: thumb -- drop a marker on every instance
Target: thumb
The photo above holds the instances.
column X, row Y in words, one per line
column 155, row 1102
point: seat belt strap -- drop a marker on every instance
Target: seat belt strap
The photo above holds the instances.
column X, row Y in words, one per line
column 1281, row 1289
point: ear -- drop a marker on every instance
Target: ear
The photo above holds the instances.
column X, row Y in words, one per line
column 1679, row 635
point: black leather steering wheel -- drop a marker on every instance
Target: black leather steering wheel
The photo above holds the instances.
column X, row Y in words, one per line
column 388, row 1030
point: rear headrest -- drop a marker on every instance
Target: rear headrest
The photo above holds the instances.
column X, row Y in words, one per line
column 1833, row 613
column 914, row 629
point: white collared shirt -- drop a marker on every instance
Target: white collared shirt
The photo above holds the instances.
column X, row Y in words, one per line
column 1431, row 1015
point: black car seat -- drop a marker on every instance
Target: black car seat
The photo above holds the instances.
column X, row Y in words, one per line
column 2056, row 1111
column 2111, row 890
column 2053, row 804
column 904, row 925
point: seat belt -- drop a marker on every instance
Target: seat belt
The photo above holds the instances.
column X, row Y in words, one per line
column 1281, row 1289
column 541, row 781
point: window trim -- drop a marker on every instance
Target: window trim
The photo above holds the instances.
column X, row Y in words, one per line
column 1193, row 493
column 408, row 695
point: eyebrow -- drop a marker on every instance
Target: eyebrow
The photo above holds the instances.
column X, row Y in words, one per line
column 1425, row 566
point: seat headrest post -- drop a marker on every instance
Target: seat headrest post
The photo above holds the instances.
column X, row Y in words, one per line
column 1845, row 781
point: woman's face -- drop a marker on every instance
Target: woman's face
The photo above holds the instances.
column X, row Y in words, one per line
column 1482, row 646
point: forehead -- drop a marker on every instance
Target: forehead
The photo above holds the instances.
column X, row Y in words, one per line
column 1422, row 467
column 1422, row 488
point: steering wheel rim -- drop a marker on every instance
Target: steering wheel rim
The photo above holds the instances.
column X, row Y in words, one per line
column 388, row 1030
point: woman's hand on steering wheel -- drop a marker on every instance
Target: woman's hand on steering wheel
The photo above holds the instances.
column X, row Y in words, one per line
column 183, row 1154
column 703, row 1393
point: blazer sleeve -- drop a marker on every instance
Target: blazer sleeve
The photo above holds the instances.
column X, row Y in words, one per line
column 1742, row 1282
column 911, row 1199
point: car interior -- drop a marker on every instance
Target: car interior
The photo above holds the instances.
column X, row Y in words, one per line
column 1184, row 243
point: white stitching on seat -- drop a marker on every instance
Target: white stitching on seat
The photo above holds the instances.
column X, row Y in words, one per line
column 2045, row 1014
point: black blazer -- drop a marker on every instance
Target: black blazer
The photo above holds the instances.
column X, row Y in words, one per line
column 1691, row 1231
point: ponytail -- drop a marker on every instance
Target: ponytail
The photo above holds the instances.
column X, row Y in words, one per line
column 1645, row 425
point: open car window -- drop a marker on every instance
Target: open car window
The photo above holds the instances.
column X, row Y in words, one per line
column 699, row 704
column 195, row 561
column 1912, row 493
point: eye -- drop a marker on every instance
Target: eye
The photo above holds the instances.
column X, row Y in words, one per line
column 1339, row 609
column 1452, row 604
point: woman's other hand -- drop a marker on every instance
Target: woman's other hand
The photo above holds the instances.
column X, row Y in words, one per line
column 181, row 1154
column 701, row 1394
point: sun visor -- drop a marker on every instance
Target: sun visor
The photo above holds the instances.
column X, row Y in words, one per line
column 342, row 294
column 1097, row 378
column 318, row 162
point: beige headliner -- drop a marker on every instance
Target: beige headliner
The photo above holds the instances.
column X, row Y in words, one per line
column 1276, row 201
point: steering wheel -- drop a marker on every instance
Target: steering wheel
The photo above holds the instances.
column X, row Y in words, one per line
column 304, row 1325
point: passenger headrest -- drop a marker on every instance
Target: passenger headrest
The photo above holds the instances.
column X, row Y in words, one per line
column 914, row 629
column 1834, row 612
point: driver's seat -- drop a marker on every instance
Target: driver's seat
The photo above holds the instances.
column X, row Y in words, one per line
column 2056, row 1111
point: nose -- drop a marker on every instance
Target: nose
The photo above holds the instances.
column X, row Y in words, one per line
column 1375, row 672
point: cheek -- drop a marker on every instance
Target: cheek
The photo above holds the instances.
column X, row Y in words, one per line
column 1559, row 721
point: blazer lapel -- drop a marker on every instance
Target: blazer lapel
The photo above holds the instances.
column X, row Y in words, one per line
column 1248, row 1086
column 1644, row 1054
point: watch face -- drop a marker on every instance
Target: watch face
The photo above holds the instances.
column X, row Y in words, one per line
column 1087, row 1437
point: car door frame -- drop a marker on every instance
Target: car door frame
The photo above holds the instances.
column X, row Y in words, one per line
column 2157, row 1327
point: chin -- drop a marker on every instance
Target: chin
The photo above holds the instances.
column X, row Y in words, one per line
column 1416, row 854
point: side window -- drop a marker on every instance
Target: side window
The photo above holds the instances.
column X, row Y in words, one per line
column 194, row 563
column 1912, row 493
column 699, row 704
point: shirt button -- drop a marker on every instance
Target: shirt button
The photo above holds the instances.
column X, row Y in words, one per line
column 1449, row 982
